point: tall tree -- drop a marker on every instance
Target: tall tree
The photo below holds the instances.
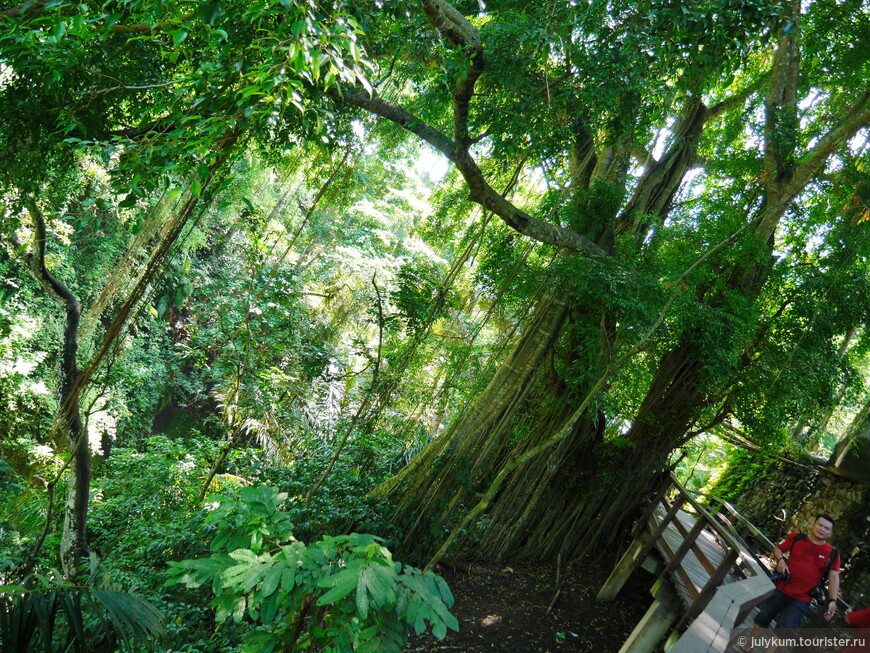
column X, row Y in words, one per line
column 684, row 144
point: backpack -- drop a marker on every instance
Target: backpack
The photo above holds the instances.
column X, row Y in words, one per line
column 819, row 592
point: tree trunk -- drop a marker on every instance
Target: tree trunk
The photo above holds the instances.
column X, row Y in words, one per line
column 73, row 543
column 587, row 489
column 450, row 470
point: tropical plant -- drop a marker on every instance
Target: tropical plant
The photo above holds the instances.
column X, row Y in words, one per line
column 341, row 593
column 57, row 616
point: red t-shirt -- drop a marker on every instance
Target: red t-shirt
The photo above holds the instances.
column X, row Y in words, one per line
column 859, row 618
column 806, row 562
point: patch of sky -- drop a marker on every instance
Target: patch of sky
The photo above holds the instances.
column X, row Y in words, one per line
column 431, row 166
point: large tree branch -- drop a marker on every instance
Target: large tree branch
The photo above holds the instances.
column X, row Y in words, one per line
column 737, row 98
column 36, row 260
column 454, row 27
column 781, row 126
column 405, row 119
column 661, row 180
column 811, row 163
column 808, row 166
column 480, row 190
column 785, row 177
column 25, row 7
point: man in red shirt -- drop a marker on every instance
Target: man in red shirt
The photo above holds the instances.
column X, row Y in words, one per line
column 801, row 571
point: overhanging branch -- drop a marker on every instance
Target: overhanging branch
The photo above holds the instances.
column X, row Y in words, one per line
column 480, row 190
column 856, row 118
column 737, row 98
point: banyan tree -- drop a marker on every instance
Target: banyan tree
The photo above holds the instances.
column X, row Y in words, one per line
column 701, row 178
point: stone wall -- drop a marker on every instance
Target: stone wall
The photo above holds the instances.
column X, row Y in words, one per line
column 782, row 498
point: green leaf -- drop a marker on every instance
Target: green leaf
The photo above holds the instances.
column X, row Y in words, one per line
column 272, row 579
column 288, row 578
column 131, row 616
column 210, row 11
column 12, row 589
column 255, row 575
column 128, row 201
column 239, row 609
column 362, row 599
column 269, row 607
column 260, row 641
column 342, row 583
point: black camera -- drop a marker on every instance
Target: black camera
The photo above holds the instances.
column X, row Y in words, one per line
column 817, row 594
column 777, row 576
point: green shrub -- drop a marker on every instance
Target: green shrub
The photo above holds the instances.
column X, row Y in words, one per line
column 338, row 594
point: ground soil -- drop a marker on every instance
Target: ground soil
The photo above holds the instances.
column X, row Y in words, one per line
column 505, row 608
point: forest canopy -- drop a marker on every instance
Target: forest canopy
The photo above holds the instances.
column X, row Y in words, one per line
column 470, row 275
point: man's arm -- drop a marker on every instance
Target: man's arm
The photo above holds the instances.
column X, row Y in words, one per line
column 781, row 563
column 833, row 592
column 780, row 550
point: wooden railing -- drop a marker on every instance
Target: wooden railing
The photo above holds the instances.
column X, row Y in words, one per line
column 737, row 523
column 721, row 607
column 712, row 611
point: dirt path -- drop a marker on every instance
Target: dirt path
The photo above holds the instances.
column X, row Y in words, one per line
column 505, row 608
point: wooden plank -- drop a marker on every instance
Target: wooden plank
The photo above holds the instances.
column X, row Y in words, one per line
column 629, row 561
column 707, row 540
column 687, row 544
column 656, row 622
column 662, row 526
column 712, row 586
column 711, row 631
column 697, row 572
column 688, row 583
column 702, row 558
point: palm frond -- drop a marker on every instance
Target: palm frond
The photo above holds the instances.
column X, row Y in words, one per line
column 131, row 617
column 60, row 619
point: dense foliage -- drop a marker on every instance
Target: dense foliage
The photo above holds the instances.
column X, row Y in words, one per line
column 475, row 273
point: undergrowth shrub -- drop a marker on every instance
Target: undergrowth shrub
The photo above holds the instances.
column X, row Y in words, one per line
column 338, row 594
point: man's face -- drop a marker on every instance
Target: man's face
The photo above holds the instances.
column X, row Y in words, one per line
column 822, row 528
